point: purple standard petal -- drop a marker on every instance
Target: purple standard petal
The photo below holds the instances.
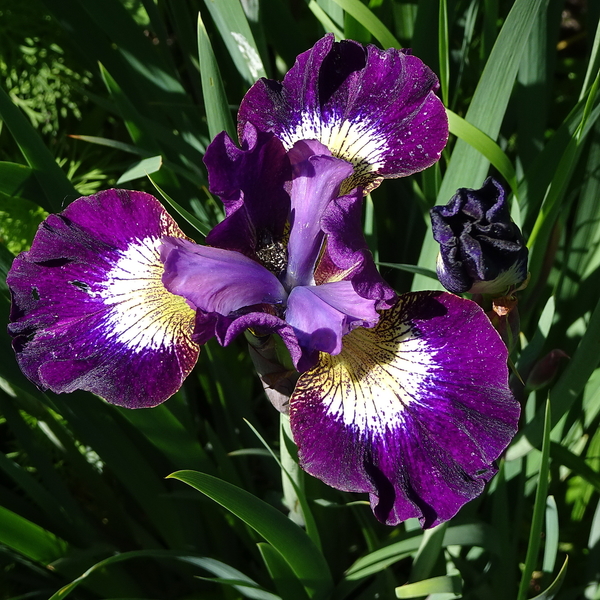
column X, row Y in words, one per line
column 89, row 309
column 317, row 180
column 376, row 109
column 414, row 411
column 251, row 184
column 216, row 280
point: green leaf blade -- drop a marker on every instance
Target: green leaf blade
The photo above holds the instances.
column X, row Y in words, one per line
column 218, row 115
column 286, row 537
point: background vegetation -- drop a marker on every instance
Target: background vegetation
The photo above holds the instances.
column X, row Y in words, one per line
column 97, row 94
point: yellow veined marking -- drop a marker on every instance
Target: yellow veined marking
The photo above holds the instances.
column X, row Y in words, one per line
column 145, row 315
column 378, row 374
column 357, row 142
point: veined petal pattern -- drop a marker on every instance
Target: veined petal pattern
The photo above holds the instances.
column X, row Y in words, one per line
column 89, row 308
column 414, row 411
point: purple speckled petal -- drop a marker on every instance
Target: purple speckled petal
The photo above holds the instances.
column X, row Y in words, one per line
column 216, row 280
column 251, row 184
column 414, row 411
column 320, row 315
column 317, row 180
column 89, row 309
column 377, row 109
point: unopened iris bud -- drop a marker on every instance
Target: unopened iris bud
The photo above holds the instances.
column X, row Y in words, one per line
column 482, row 251
column 546, row 369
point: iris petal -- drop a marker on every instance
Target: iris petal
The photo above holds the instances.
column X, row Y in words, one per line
column 376, row 109
column 347, row 256
column 251, row 184
column 321, row 315
column 317, row 180
column 89, row 309
column 413, row 411
column 216, row 280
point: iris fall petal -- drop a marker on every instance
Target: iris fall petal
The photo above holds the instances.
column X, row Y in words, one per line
column 89, row 309
column 414, row 411
column 376, row 109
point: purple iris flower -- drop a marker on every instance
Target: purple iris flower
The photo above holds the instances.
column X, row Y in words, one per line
column 89, row 310
column 290, row 260
column 405, row 398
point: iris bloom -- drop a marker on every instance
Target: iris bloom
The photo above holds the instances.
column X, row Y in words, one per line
column 405, row 398
column 295, row 264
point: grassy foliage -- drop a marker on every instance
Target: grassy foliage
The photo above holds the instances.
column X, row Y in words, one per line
column 86, row 506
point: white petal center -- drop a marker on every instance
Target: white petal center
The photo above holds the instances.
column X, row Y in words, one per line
column 143, row 315
column 359, row 142
column 378, row 375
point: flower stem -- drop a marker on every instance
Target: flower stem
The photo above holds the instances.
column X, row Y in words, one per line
column 289, row 462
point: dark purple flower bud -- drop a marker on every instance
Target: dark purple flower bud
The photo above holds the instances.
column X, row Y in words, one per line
column 482, row 251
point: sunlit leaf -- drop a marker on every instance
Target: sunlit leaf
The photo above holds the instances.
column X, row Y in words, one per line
column 448, row 584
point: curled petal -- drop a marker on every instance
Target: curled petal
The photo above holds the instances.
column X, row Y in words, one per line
column 216, row 280
column 260, row 323
column 414, row 411
column 347, row 255
column 376, row 109
column 89, row 309
column 320, row 315
column 250, row 183
column 482, row 251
